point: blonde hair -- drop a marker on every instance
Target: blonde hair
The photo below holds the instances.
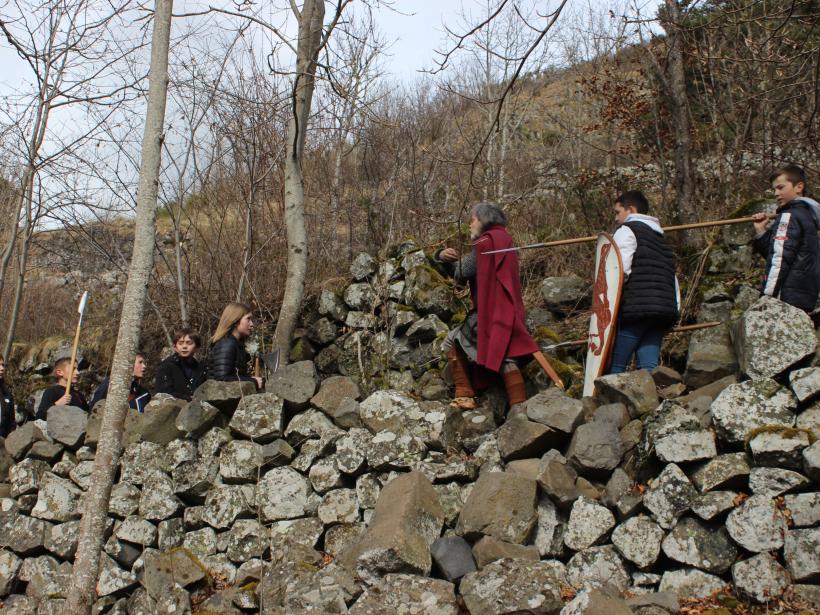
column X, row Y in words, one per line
column 232, row 314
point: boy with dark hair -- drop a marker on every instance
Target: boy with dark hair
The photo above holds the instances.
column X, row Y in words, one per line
column 180, row 374
column 789, row 242
column 55, row 395
column 650, row 295
column 138, row 396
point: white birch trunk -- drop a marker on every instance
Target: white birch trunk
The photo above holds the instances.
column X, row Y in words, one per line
column 83, row 581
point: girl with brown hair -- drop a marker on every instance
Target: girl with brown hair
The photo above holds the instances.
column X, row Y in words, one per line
column 227, row 357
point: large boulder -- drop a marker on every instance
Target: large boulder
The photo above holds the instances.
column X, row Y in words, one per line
column 258, row 417
column 501, row 505
column 512, row 586
column 156, row 424
column 741, row 408
column 283, row 493
column 564, row 294
column 389, row 410
column 57, row 500
column 19, row 441
column 636, row 390
column 519, row 438
column 295, row 384
column 407, row 520
column 711, row 356
column 556, row 410
column 595, row 449
column 757, row 525
column 771, row 336
column 67, row 424
column 224, row 396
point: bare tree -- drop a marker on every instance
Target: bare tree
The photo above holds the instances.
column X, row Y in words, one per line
column 86, row 564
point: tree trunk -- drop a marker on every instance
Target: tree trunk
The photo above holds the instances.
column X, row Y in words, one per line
column 311, row 21
column 684, row 175
column 22, row 263
column 82, row 589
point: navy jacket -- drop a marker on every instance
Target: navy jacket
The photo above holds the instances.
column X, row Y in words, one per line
column 792, row 253
column 138, row 396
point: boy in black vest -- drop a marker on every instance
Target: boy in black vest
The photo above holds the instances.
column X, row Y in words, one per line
column 789, row 242
column 650, row 296
column 55, row 395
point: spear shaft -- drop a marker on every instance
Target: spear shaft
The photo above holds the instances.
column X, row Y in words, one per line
column 591, row 238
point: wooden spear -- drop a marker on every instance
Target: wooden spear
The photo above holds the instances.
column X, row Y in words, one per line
column 680, row 329
column 81, row 312
column 590, row 238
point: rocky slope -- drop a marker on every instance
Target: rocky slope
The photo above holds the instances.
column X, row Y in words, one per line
column 349, row 485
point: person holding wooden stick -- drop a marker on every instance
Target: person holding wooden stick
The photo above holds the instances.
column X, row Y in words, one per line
column 650, row 298
column 493, row 336
column 789, row 242
column 56, row 394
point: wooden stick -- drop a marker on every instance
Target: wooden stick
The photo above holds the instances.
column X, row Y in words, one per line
column 545, row 365
column 590, row 238
column 81, row 311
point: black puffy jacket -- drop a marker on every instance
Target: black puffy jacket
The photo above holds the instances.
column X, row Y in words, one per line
column 792, row 253
column 228, row 360
column 179, row 377
column 7, row 423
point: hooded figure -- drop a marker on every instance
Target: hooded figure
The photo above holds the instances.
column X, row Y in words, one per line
column 792, row 253
column 493, row 337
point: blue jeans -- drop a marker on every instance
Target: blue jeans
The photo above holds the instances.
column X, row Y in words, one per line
column 642, row 339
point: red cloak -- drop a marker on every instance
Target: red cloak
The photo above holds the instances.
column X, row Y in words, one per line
column 501, row 329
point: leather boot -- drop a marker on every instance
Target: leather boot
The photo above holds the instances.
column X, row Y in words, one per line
column 457, row 361
column 514, row 384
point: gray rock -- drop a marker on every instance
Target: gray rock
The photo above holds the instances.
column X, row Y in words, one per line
column 324, row 475
column 404, row 593
column 489, row 549
column 157, row 423
column 500, row 505
column 595, row 449
column 323, row 332
column 519, row 438
column 639, row 540
column 804, row 509
column 742, row 408
column 801, row 553
column 363, row 266
column 343, row 536
column 690, row 583
column 760, row 578
column 598, row 567
column 452, row 496
column 711, row 356
column 692, row 542
column 258, row 417
column 137, row 531
column 775, row 481
column 426, row 330
column 713, row 504
column 805, row 383
column 45, row 451
column 339, row 506
column 247, row 539
column 596, row 602
column 61, row 539
column 811, row 461
column 81, row 474
column 389, row 411
column 305, row 531
column 9, row 568
column 141, row 460
column 724, row 471
column 564, row 294
column 201, row 542
column 351, row 451
column 361, row 320
column 25, row 477
column 332, row 391
column 769, row 322
column 407, row 520
column 193, row 479
column 312, row 424
column 686, row 446
column 124, row 500
column 224, row 503
column 669, row 496
column 332, row 306
column 467, row 429
column 512, row 586
column 225, row 396
column 616, row 414
column 113, row 579
column 636, row 390
column 413, row 259
column 809, row 419
column 361, row 297
column 283, row 493
column 170, row 533
column 589, row 523
column 67, row 424
column 428, row 292
column 781, row 448
column 557, row 480
column 17, row 604
column 23, row 535
column 195, row 418
column 157, row 501
column 240, row 461
column 57, row 500
column 277, row 453
column 19, row 441
column 549, row 532
column 757, row 525
column 452, row 557
column 368, row 488
column 389, row 451
column 556, row 410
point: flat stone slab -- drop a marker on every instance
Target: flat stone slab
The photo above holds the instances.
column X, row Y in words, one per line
column 760, row 578
column 686, row 446
column 512, row 586
column 405, row 593
column 742, row 408
column 757, row 525
column 501, row 505
column 693, row 543
column 639, row 540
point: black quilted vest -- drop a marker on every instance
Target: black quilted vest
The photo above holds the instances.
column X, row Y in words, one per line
column 649, row 293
